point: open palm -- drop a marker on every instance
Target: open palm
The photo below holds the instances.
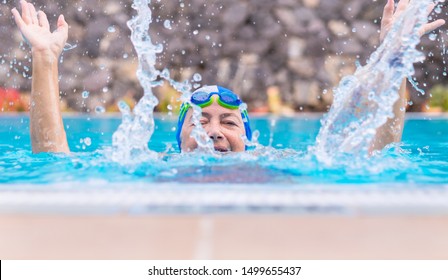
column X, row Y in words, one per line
column 390, row 14
column 35, row 29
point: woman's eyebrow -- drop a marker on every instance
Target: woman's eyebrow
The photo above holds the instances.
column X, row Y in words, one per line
column 205, row 115
column 221, row 117
column 228, row 115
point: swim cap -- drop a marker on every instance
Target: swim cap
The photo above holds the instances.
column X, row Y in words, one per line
column 202, row 98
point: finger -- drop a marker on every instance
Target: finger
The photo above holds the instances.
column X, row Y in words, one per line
column 402, row 5
column 388, row 12
column 33, row 13
column 19, row 21
column 430, row 8
column 25, row 13
column 43, row 21
column 29, row 13
column 429, row 27
column 62, row 26
column 387, row 18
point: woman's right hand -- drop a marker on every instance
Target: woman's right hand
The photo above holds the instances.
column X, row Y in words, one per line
column 36, row 30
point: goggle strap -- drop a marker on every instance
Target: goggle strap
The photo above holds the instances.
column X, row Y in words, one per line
column 183, row 111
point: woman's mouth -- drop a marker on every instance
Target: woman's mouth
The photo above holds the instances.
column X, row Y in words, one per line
column 221, row 149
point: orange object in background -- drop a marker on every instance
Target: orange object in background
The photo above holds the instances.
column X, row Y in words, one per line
column 275, row 103
column 12, row 101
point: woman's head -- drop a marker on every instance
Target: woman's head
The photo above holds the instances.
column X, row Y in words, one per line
column 222, row 119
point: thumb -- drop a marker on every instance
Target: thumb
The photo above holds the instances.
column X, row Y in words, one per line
column 62, row 26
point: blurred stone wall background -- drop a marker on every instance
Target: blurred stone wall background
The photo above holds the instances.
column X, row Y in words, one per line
column 299, row 48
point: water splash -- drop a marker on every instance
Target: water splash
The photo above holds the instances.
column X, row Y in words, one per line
column 364, row 101
column 167, row 24
column 69, row 47
column 130, row 141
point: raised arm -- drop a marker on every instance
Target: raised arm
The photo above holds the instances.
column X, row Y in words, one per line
column 46, row 126
column 392, row 130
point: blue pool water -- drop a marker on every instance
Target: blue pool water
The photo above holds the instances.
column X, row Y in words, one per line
column 276, row 176
column 420, row 159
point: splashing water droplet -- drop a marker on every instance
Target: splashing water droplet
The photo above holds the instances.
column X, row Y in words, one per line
column 111, row 29
column 68, row 47
column 197, row 77
column 432, row 36
column 123, row 107
column 85, row 94
column 158, row 48
column 87, row 141
column 167, row 24
column 99, row 109
column 165, row 74
column 195, row 32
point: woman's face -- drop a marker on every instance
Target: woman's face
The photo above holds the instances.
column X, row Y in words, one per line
column 224, row 126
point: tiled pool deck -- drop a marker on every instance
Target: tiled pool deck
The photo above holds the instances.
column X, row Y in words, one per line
column 223, row 236
column 224, row 223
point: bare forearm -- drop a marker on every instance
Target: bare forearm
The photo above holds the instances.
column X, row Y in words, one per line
column 392, row 130
column 46, row 126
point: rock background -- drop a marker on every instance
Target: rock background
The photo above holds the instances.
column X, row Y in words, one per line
column 303, row 47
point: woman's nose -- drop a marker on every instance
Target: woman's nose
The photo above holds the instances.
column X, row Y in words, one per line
column 214, row 132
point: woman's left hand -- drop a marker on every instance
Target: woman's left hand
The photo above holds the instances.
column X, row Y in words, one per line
column 390, row 14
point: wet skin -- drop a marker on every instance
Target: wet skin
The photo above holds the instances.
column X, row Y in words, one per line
column 224, row 126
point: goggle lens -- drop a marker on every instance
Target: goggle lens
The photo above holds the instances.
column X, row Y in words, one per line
column 200, row 97
column 229, row 98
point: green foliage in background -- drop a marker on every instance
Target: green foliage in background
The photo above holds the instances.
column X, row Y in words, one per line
column 439, row 97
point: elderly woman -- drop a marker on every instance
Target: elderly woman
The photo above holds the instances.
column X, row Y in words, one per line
column 222, row 118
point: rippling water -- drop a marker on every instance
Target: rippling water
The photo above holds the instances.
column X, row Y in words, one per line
column 420, row 159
